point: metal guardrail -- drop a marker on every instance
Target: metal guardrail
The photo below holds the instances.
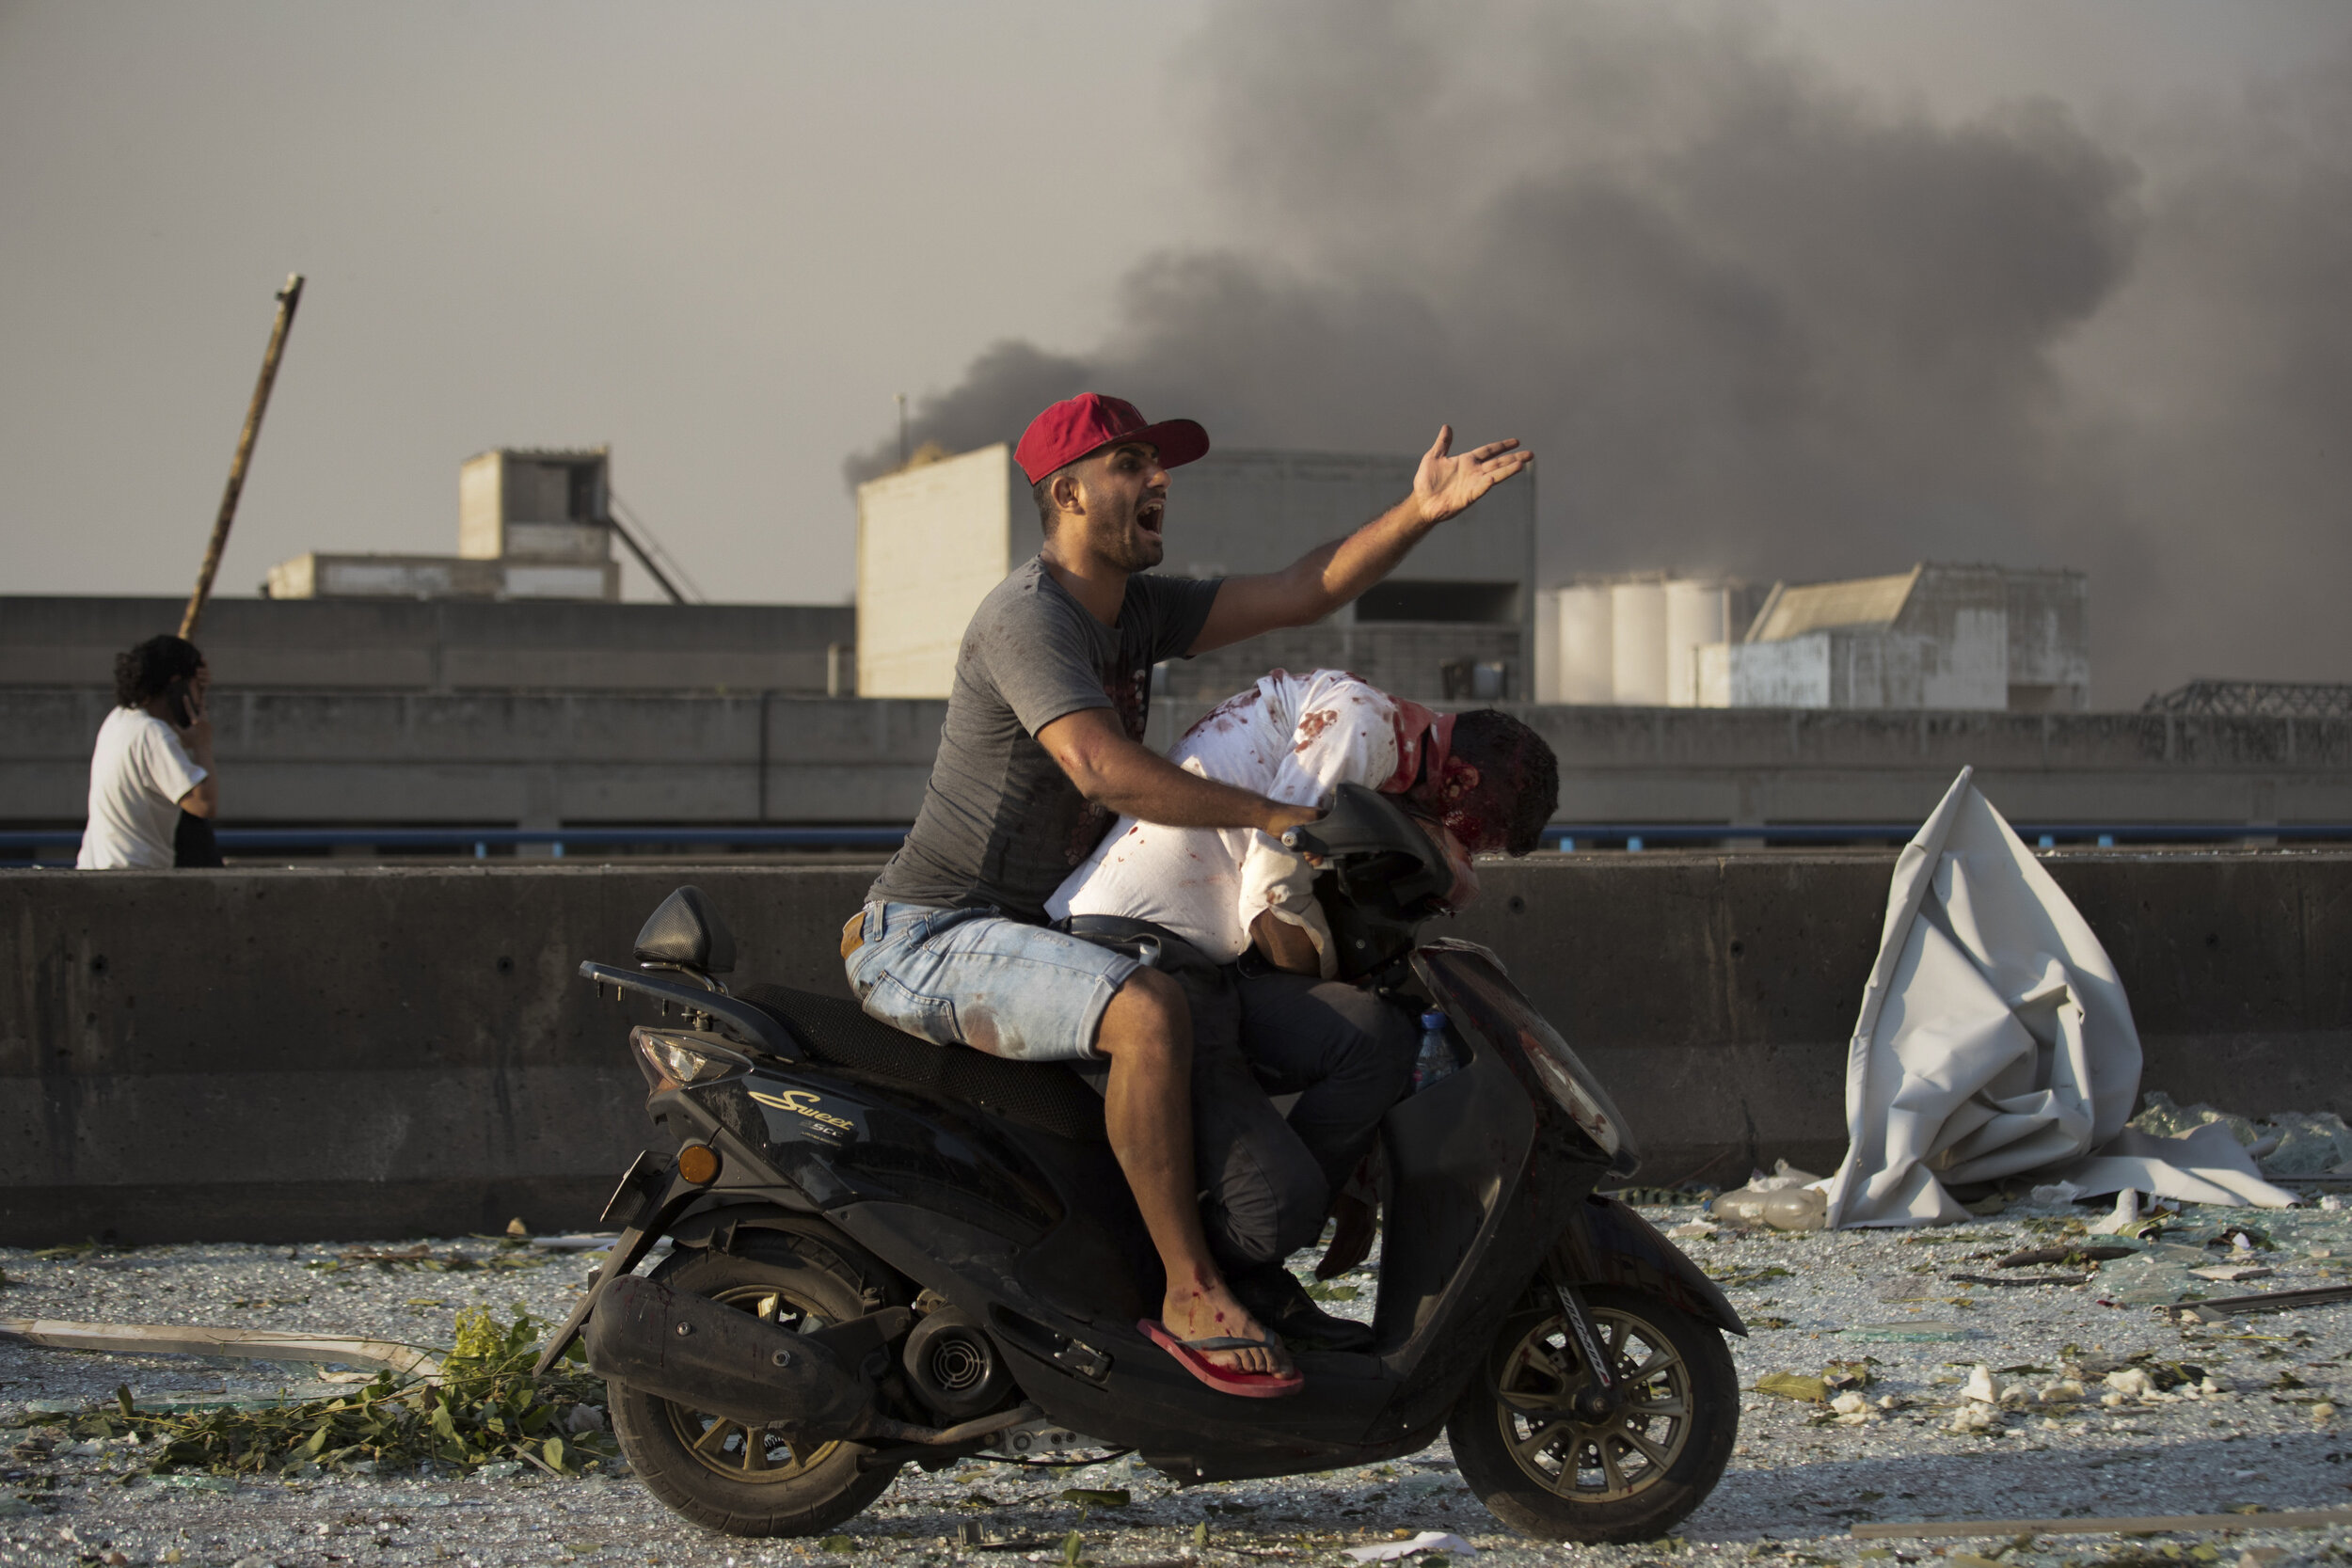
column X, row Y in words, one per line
column 2255, row 700
column 21, row 846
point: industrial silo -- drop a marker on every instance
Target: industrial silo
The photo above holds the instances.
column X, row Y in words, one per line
column 1697, row 612
column 1586, row 658
column 1637, row 642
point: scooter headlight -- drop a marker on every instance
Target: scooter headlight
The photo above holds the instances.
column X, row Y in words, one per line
column 1589, row 1110
column 672, row 1061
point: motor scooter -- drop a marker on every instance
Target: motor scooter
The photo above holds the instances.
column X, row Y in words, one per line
column 888, row 1253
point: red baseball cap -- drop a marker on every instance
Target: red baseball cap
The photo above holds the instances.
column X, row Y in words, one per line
column 1091, row 421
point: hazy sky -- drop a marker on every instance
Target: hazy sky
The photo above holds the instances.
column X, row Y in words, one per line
column 721, row 236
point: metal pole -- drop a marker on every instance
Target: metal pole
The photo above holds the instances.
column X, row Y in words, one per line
column 647, row 561
column 903, row 455
column 288, row 297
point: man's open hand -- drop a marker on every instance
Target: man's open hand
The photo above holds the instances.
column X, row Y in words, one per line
column 1445, row 485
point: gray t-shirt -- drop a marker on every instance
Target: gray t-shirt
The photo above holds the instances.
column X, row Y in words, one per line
column 1001, row 823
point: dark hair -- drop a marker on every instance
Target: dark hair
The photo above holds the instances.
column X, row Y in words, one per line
column 145, row 672
column 1519, row 778
column 1043, row 493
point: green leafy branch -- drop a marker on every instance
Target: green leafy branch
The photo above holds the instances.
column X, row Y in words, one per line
column 484, row 1407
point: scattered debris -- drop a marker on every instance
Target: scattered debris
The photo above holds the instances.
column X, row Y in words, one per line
column 2277, row 1301
column 2124, row 1221
column 583, row 1242
column 1789, row 1199
column 480, row 1405
column 1737, row 1278
column 2073, row 1257
column 1850, row 1375
column 2243, row 1239
column 2019, row 1278
column 2313, row 1518
column 1427, row 1540
column 2163, row 1118
column 255, row 1344
column 1894, row 1407
column 2157, row 1275
column 1794, row 1386
column 2289, row 1143
column 1917, row 1332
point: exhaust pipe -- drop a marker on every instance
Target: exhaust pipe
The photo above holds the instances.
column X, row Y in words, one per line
column 695, row 1352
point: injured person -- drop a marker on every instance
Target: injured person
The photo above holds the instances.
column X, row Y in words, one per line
column 1233, row 917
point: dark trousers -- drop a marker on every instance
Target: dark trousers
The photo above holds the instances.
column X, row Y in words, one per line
column 1266, row 1182
column 1346, row 1054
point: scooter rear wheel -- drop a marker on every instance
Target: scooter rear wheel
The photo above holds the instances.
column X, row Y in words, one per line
column 1547, row 1470
column 718, row 1472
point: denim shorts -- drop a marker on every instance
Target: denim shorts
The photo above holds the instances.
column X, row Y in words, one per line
column 974, row 978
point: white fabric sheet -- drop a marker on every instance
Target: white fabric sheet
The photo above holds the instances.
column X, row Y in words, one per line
column 2207, row 1165
column 1994, row 1040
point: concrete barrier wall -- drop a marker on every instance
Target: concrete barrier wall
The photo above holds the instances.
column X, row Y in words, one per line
column 290, row 1054
column 1790, row 765
column 437, row 645
column 533, row 759
column 550, row 759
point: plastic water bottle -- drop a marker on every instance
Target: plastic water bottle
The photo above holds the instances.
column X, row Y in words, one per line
column 1435, row 1057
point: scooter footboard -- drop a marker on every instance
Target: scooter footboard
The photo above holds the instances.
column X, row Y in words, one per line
column 1608, row 1243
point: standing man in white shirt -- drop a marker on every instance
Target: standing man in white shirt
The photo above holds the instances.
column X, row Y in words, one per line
column 153, row 759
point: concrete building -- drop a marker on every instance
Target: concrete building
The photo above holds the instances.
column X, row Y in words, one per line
column 1934, row 636
column 531, row 525
column 1969, row 638
column 451, row 645
column 934, row 538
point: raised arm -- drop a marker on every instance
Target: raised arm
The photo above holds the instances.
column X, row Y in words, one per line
column 1323, row 579
column 1135, row 780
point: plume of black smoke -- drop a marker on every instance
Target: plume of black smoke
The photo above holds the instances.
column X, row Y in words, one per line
column 1750, row 319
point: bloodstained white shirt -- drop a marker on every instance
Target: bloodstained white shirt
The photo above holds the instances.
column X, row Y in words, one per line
column 1293, row 738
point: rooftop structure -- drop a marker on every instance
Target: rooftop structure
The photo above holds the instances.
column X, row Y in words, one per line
column 531, row 525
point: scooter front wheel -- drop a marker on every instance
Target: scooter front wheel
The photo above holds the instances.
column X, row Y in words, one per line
column 1552, row 1466
column 718, row 1472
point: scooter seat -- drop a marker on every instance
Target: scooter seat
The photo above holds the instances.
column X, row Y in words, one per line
column 1045, row 1095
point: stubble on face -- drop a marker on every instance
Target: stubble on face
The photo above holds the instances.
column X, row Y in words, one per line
column 1126, row 507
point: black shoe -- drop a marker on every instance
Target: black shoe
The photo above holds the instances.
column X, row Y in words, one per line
column 1279, row 1303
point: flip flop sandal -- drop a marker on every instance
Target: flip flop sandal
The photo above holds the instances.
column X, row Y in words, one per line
column 1249, row 1386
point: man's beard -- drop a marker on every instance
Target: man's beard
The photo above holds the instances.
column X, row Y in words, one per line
column 1131, row 549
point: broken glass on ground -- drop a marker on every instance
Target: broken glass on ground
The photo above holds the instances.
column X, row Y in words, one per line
column 2159, row 1274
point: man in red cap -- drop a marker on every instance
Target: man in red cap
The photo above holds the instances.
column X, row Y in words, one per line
column 1042, row 749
